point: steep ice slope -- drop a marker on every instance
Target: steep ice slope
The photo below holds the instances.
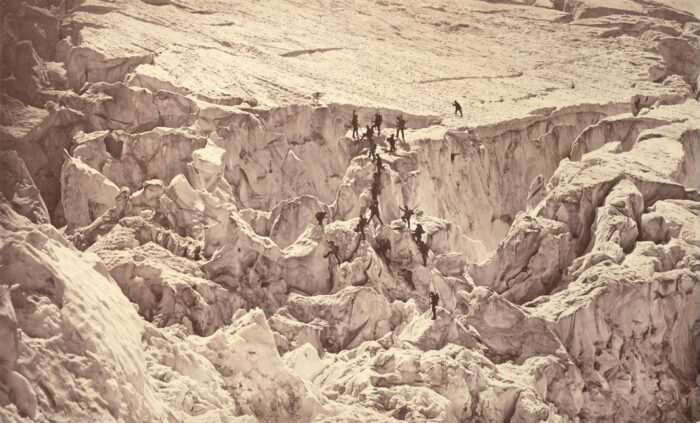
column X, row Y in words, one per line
column 189, row 281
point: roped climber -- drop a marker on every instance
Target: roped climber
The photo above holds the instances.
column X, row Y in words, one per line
column 374, row 211
column 434, row 299
column 333, row 249
column 406, row 216
column 372, row 150
column 377, row 123
column 360, row 228
column 418, row 233
column 400, row 126
column 355, row 125
column 392, row 143
column 319, row 217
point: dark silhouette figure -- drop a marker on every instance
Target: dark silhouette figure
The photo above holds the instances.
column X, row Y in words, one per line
column 406, row 216
column 375, row 189
column 333, row 249
column 360, row 228
column 355, row 125
column 378, row 161
column 407, row 275
column 319, row 217
column 418, row 233
column 392, row 143
column 458, row 108
column 374, row 211
column 377, row 123
column 424, row 249
column 383, row 247
column 400, row 126
column 372, row 150
column 197, row 253
column 369, row 133
column 434, row 299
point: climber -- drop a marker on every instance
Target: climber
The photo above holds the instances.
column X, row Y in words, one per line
column 333, row 249
column 361, row 225
column 375, row 190
column 369, row 133
column 434, row 299
column 377, row 123
column 355, row 125
column 424, row 249
column 400, row 126
column 374, row 211
column 458, row 108
column 372, row 150
column 319, row 217
column 418, row 233
column 406, row 217
column 197, row 253
column 392, row 143
column 383, row 247
column 379, row 163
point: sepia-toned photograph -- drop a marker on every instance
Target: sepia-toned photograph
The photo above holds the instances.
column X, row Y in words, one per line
column 361, row 211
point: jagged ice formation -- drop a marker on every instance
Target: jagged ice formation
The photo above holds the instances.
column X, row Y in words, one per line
column 162, row 163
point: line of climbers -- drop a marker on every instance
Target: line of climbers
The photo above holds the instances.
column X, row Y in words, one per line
column 377, row 124
column 383, row 245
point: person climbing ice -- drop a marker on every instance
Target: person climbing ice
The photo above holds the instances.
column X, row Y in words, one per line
column 369, row 133
column 333, row 249
column 400, row 126
column 374, row 211
column 377, row 123
column 406, row 216
column 383, row 247
column 378, row 161
column 360, row 228
column 375, row 189
column 434, row 299
column 418, row 233
column 319, row 217
column 392, row 143
column 424, row 250
column 355, row 125
column 458, row 108
column 372, row 150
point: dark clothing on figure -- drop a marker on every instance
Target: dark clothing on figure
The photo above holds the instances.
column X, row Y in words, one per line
column 418, row 233
column 360, row 228
column 369, row 133
column 434, row 299
column 320, row 216
column 400, row 126
column 374, row 211
column 355, row 126
column 406, row 217
column 333, row 249
column 424, row 249
column 375, row 190
column 458, row 108
column 379, row 163
column 372, row 150
column 378, row 123
column 383, row 247
column 392, row 143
